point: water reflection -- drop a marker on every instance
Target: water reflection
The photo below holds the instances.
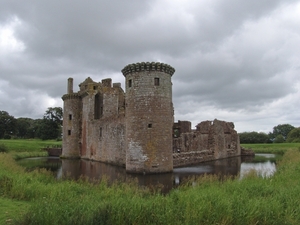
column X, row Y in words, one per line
column 263, row 169
column 75, row 169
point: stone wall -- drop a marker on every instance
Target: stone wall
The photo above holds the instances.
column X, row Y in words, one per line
column 149, row 118
column 71, row 125
column 103, row 123
column 210, row 141
column 136, row 129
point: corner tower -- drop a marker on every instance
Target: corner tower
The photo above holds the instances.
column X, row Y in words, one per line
column 149, row 117
column 71, row 123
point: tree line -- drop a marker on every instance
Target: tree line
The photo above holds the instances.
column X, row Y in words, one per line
column 281, row 133
column 48, row 127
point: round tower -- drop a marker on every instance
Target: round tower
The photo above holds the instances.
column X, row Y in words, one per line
column 149, row 117
column 71, row 123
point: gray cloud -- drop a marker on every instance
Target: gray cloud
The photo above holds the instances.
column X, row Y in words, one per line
column 234, row 61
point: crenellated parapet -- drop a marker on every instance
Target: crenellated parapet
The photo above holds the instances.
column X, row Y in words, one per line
column 71, row 96
column 147, row 66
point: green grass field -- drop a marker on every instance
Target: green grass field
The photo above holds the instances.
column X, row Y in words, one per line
column 28, row 145
column 38, row 198
column 276, row 148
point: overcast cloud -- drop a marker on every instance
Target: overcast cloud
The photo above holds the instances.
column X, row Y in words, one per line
column 237, row 61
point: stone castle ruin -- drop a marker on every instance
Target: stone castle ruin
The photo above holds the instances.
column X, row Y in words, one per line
column 136, row 128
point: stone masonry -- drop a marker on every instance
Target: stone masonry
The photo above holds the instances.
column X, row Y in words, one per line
column 136, row 128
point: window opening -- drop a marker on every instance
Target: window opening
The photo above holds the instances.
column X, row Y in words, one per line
column 130, row 83
column 98, row 106
column 150, row 125
column 70, row 116
column 100, row 134
column 156, row 81
column 69, row 132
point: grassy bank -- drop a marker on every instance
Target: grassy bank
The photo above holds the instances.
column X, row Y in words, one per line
column 28, row 145
column 276, row 148
column 25, row 148
column 253, row 200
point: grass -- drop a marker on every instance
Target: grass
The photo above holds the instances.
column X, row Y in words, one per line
column 26, row 148
column 11, row 209
column 275, row 148
column 28, row 145
column 253, row 200
column 38, row 198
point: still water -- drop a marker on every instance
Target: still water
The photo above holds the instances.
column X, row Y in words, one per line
column 263, row 164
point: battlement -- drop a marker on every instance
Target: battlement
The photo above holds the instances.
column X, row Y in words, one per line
column 147, row 66
column 71, row 96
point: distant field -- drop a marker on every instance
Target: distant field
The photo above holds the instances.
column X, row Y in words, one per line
column 278, row 148
column 34, row 145
column 28, row 145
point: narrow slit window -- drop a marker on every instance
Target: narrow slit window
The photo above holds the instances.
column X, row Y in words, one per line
column 156, row 81
column 130, row 83
column 69, row 132
column 100, row 134
column 70, row 116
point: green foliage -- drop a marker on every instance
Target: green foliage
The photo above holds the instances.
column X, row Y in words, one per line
column 252, row 200
column 11, row 209
column 279, row 139
column 282, row 129
column 50, row 126
column 25, row 128
column 54, row 114
column 3, row 148
column 294, row 135
column 7, row 124
column 253, row 137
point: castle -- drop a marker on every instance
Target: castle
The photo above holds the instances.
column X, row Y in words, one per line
column 136, row 128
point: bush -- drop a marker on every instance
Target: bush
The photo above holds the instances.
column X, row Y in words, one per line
column 6, row 136
column 3, row 148
column 279, row 139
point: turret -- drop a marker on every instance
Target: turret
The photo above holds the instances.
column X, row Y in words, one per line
column 71, row 123
column 149, row 117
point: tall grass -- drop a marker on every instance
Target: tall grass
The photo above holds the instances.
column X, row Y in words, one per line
column 207, row 200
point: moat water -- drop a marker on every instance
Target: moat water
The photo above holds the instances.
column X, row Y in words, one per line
column 262, row 164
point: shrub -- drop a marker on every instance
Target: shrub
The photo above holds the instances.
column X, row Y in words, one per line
column 3, row 148
column 279, row 139
column 7, row 136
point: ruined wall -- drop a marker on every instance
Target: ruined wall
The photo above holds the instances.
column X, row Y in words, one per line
column 210, row 141
column 135, row 129
column 103, row 123
column 149, row 117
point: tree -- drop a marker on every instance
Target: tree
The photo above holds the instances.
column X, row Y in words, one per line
column 279, row 139
column 253, row 137
column 50, row 126
column 282, row 129
column 7, row 125
column 54, row 114
column 294, row 135
column 23, row 127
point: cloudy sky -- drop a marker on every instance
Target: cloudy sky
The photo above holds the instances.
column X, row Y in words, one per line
column 235, row 60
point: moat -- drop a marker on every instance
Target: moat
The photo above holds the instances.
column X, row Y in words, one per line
column 263, row 164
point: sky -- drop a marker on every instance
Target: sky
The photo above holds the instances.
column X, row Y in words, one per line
column 237, row 61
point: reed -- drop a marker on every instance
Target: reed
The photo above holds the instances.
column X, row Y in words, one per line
column 207, row 200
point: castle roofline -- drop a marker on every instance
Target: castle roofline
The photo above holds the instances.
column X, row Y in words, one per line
column 147, row 66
